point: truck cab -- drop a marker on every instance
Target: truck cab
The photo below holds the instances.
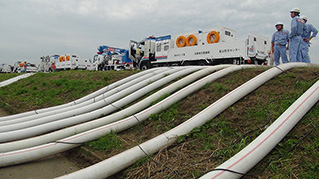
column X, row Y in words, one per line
column 99, row 62
column 110, row 58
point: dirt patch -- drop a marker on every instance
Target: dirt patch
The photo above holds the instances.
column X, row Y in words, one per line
column 3, row 112
column 82, row 156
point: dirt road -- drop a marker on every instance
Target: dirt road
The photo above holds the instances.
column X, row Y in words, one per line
column 49, row 167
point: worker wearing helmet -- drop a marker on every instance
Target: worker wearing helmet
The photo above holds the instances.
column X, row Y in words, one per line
column 297, row 29
column 307, row 36
column 279, row 42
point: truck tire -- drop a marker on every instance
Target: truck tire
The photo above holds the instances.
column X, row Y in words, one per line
column 145, row 65
column 202, row 63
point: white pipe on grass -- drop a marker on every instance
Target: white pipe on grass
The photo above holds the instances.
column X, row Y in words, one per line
column 14, row 79
column 29, row 122
column 123, row 160
column 8, row 125
column 66, row 132
column 50, row 126
column 248, row 157
column 28, row 154
column 85, row 98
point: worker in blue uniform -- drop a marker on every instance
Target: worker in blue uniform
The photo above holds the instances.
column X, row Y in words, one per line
column 279, row 42
column 297, row 29
column 307, row 36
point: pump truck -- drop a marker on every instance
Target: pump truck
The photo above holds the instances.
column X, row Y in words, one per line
column 208, row 47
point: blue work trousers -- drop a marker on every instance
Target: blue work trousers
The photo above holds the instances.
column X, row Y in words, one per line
column 305, row 51
column 280, row 51
column 295, row 49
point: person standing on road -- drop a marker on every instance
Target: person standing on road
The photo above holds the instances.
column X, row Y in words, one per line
column 279, row 42
column 307, row 36
column 297, row 29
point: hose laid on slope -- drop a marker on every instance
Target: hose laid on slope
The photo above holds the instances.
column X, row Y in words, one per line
column 28, row 154
column 14, row 79
column 66, row 132
column 84, row 109
column 54, row 125
column 121, row 161
column 85, row 98
column 67, row 108
column 248, row 157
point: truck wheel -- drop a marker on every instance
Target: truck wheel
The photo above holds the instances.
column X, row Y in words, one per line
column 144, row 66
column 202, row 63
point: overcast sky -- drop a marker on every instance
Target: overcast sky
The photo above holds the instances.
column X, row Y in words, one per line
column 34, row 28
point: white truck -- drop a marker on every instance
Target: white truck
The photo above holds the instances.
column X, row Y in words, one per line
column 99, row 62
column 110, row 58
column 5, row 68
column 25, row 67
column 64, row 62
column 70, row 62
column 19, row 67
column 209, row 47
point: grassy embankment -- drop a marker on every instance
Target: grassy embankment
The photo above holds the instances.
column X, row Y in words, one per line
column 51, row 89
column 6, row 76
column 206, row 147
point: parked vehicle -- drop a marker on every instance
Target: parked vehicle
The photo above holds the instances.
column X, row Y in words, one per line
column 26, row 67
column 69, row 62
column 110, row 58
column 5, row 68
column 209, row 47
column 64, row 62
column 45, row 64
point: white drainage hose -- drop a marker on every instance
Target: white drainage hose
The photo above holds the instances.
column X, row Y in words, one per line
column 54, row 125
column 248, row 157
column 69, row 108
column 29, row 122
column 123, row 160
column 85, row 98
column 14, row 79
column 28, row 154
column 66, row 132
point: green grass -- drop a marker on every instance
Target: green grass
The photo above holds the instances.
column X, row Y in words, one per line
column 224, row 137
column 51, row 89
column 107, row 143
column 6, row 76
column 208, row 145
column 167, row 117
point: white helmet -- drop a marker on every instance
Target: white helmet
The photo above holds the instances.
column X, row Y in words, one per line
column 279, row 23
column 304, row 17
column 296, row 9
